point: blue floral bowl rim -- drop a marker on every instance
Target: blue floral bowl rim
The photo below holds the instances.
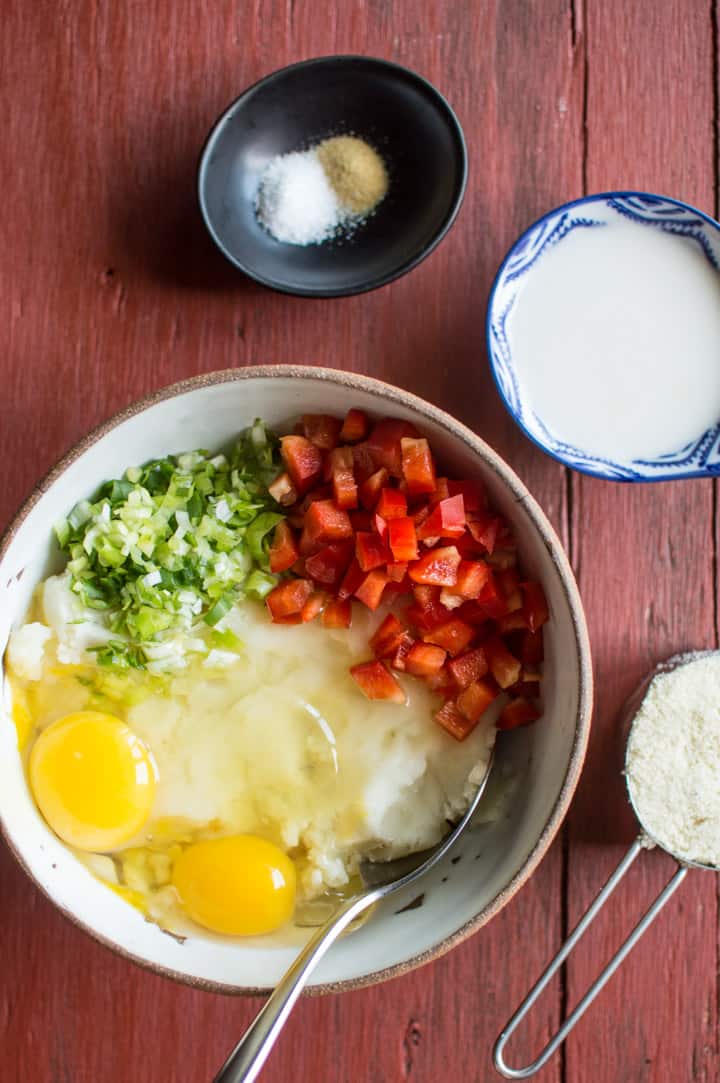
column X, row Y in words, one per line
column 596, row 197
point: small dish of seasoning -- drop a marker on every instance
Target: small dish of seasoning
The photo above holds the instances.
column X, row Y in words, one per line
column 333, row 176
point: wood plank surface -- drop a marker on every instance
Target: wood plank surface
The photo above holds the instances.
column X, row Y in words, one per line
column 646, row 563
column 110, row 288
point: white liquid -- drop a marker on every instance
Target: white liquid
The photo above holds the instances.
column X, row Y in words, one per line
column 616, row 341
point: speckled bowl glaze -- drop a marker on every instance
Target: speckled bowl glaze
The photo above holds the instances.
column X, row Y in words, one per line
column 491, row 863
column 699, row 458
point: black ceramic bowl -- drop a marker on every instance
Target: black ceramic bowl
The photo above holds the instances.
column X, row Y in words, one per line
column 398, row 112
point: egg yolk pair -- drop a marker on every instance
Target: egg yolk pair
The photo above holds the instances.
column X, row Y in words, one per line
column 94, row 782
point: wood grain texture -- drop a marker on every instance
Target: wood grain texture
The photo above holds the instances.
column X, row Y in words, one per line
column 110, row 288
column 646, row 560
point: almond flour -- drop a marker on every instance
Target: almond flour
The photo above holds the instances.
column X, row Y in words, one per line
column 673, row 759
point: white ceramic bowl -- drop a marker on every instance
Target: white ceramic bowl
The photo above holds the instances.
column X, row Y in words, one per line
column 498, row 858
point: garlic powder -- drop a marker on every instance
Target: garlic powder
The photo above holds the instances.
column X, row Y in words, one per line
column 673, row 759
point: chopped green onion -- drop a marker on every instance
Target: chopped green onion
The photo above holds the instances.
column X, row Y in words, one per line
column 258, row 536
column 169, row 548
column 222, row 606
column 259, row 584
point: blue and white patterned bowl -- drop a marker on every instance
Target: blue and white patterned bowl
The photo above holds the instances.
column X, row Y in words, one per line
column 701, row 457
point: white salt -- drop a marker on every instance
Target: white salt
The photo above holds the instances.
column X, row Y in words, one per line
column 673, row 760
column 295, row 201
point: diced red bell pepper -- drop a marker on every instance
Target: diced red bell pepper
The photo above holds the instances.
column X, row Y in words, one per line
column 502, row 559
column 535, row 605
column 387, row 637
column 425, row 618
column 370, row 551
column 402, row 651
column 394, row 590
column 377, row 682
column 525, row 690
column 361, row 520
column 441, row 491
column 329, row 564
column 512, row 622
column 318, row 492
column 392, row 504
column 468, row 548
column 355, row 427
column 474, row 613
column 485, row 530
column 371, row 488
column 437, row 567
column 446, row 520
column 468, row 667
column 283, row 549
column 322, row 430
column 504, row 666
column 532, row 650
column 492, row 600
column 383, row 443
column 441, row 682
column 451, row 719
column 345, row 490
column 473, row 493
column 518, row 712
column 313, row 606
column 509, row 582
column 282, row 490
column 325, row 522
column 337, row 614
column 425, row 595
column 364, row 464
column 370, row 591
column 420, row 515
column 307, row 544
column 354, row 576
column 396, row 571
column 472, row 575
column 380, row 526
column 425, row 659
column 417, row 465
column 474, row 700
column 303, row 461
column 453, row 636
column 403, row 539
column 288, row 598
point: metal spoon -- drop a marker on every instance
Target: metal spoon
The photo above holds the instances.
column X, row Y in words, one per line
column 381, row 878
column 643, row 841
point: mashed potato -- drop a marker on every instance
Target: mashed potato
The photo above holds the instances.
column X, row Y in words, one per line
column 274, row 740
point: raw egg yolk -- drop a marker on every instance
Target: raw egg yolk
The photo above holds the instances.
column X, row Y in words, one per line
column 240, row 886
column 93, row 780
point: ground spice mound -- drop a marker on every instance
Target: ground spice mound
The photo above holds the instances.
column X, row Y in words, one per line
column 356, row 172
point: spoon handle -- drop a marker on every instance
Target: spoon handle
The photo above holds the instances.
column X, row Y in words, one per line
column 249, row 1055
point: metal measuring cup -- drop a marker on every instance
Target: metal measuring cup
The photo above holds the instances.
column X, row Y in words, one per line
column 643, row 841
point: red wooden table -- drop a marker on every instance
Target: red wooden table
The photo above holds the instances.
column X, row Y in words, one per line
column 109, row 289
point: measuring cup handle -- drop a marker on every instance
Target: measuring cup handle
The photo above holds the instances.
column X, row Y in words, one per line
column 604, row 976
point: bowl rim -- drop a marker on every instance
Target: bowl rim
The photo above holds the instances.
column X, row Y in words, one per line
column 409, row 264
column 396, row 396
column 593, row 197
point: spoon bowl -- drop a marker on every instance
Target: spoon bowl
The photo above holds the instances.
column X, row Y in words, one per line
column 380, row 879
